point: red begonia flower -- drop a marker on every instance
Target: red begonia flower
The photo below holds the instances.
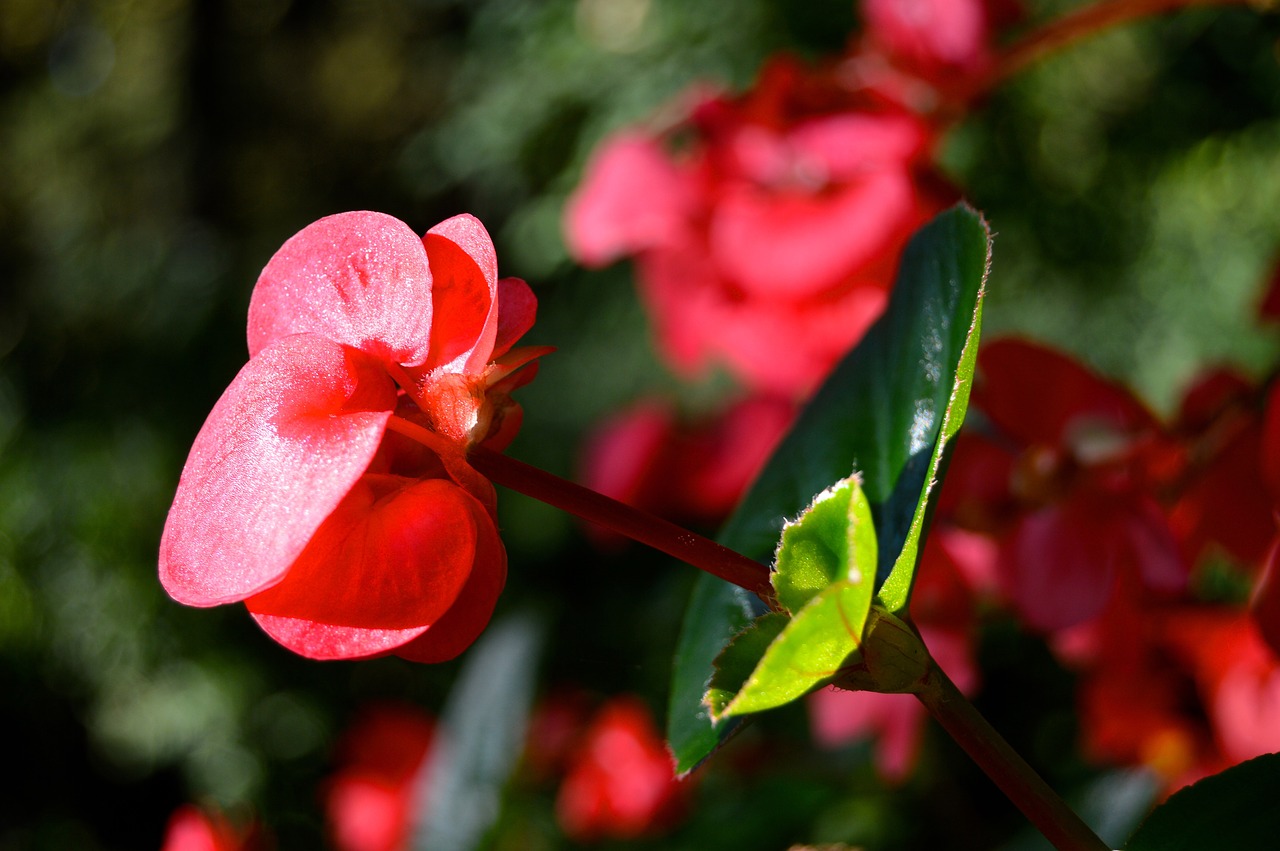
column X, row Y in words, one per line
column 370, row 802
column 303, row 497
column 1077, row 503
column 620, row 782
column 770, row 231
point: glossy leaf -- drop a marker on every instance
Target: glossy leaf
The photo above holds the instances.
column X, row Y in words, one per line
column 882, row 412
column 1234, row 809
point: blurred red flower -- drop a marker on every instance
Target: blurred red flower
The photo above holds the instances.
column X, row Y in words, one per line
column 768, row 236
column 371, row 801
column 303, row 497
column 1065, row 472
column 191, row 828
column 686, row 472
column 619, row 782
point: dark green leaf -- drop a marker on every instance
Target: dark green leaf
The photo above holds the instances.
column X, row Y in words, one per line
column 1235, row 809
column 717, row 612
column 880, row 413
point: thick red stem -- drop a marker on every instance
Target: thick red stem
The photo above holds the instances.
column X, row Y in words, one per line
column 1084, row 23
column 662, row 535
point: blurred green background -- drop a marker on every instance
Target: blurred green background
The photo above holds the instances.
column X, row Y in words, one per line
column 154, row 153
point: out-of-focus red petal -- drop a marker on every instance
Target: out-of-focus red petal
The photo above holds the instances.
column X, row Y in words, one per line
column 1059, row 565
column 281, row 448
column 1265, row 605
column 1039, row 396
column 930, row 35
column 393, row 555
column 799, row 244
column 1271, row 443
column 630, row 199
column 464, row 292
column 470, row 613
column 517, row 309
column 360, row 279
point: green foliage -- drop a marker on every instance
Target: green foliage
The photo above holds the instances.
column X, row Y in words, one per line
column 1234, row 809
column 888, row 411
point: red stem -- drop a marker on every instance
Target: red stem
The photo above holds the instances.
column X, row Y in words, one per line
column 1010, row 772
column 1083, row 23
column 662, row 535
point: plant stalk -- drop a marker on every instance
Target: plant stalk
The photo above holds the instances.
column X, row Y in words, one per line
column 1010, row 772
column 663, row 535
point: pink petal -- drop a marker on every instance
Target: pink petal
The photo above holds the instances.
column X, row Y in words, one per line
column 930, row 33
column 464, row 291
column 393, row 555
column 359, row 278
column 630, row 199
column 517, row 309
column 279, row 451
column 849, row 145
column 793, row 244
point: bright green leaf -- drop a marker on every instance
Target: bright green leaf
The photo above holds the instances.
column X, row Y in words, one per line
column 1235, row 809
column 810, row 650
column 834, row 539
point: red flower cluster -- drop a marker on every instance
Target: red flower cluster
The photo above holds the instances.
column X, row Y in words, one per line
column 329, row 488
column 768, row 242
column 1109, row 523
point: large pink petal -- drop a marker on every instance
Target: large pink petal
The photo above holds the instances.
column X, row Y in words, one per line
column 395, row 554
column 279, row 451
column 464, row 291
column 360, row 279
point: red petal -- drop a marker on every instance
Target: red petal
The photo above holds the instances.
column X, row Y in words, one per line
column 517, row 309
column 1059, row 564
column 470, row 614
column 394, row 555
column 631, row 198
column 796, row 245
column 464, row 289
column 1036, row 395
column 279, row 451
column 360, row 279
